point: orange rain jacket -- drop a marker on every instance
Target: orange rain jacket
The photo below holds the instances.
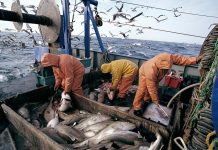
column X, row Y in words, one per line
column 152, row 72
column 119, row 69
column 68, row 71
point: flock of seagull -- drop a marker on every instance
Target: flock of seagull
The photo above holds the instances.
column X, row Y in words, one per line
column 119, row 13
column 126, row 16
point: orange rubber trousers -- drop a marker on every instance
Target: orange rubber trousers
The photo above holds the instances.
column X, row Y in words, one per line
column 141, row 92
column 125, row 85
column 78, row 79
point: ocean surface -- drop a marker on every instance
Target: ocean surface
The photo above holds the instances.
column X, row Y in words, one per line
column 17, row 51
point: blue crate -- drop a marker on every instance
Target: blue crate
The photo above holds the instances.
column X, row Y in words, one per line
column 86, row 62
column 50, row 80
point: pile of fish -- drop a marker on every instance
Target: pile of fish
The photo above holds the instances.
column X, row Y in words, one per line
column 78, row 129
column 102, row 92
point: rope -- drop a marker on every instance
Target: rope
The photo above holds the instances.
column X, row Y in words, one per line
column 144, row 27
column 205, row 89
column 207, row 85
column 164, row 9
column 208, row 138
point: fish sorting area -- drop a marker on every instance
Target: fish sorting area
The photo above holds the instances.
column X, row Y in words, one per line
column 88, row 125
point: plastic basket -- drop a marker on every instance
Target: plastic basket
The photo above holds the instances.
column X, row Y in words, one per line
column 86, row 62
column 50, row 80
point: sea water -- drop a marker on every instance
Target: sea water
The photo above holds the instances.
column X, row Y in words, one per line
column 17, row 59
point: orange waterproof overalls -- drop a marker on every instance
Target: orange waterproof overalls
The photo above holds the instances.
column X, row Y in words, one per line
column 68, row 71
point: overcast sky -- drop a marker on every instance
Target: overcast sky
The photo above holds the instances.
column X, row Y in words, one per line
column 188, row 24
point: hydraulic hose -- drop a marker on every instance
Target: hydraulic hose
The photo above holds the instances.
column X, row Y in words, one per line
column 182, row 90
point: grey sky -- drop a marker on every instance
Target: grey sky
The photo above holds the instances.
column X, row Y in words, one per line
column 184, row 23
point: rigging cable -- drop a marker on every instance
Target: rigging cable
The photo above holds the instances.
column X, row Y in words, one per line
column 71, row 25
column 144, row 27
column 173, row 10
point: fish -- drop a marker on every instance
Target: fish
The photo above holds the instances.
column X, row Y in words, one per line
column 65, row 105
column 93, row 119
column 76, row 117
column 52, row 123
column 69, row 133
column 130, row 147
column 101, row 97
column 70, row 146
column 92, row 95
column 37, row 123
column 127, row 137
column 95, row 128
column 124, row 109
column 89, row 134
column 157, row 143
column 116, row 126
column 24, row 112
column 38, row 111
column 49, row 113
column 52, row 133
column 104, row 145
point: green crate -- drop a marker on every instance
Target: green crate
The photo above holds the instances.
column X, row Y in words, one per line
column 50, row 80
column 86, row 62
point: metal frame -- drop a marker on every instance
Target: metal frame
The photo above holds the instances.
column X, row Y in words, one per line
column 66, row 31
column 88, row 15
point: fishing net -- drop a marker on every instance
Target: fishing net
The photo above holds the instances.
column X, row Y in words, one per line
column 201, row 98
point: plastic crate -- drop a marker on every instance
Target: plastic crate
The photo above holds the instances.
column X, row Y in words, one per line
column 45, row 77
column 86, row 62
column 173, row 82
column 50, row 80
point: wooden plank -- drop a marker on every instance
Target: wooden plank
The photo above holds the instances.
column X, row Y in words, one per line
column 6, row 141
column 36, row 95
column 37, row 138
column 93, row 106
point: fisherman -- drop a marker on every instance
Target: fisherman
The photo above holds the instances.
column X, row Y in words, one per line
column 152, row 72
column 68, row 72
column 123, row 71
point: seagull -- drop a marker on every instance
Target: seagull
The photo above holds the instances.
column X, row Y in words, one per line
column 10, row 38
column 81, row 11
column 140, row 31
column 124, row 34
column 24, row 9
column 110, row 47
column 30, row 6
column 112, row 35
column 104, row 35
column 176, row 11
column 75, row 38
column 7, row 29
column 119, row 9
column 26, row 31
column 160, row 16
column 109, row 9
column 34, row 10
column 101, row 12
column 2, row 5
column 133, row 18
column 29, row 28
column 134, row 9
column 120, row 14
